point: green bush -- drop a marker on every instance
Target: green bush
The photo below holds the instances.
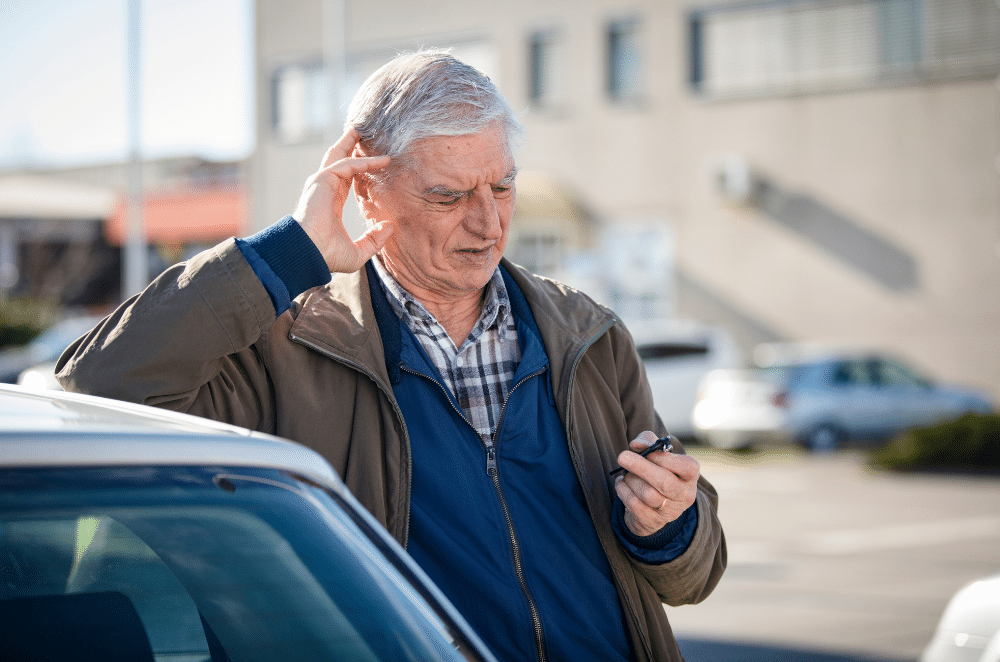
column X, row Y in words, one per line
column 23, row 319
column 971, row 442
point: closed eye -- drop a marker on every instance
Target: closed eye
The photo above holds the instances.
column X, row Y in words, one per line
column 503, row 188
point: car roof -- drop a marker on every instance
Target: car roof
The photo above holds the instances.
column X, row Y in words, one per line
column 791, row 354
column 54, row 428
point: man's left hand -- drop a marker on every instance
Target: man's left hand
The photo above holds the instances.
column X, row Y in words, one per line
column 657, row 488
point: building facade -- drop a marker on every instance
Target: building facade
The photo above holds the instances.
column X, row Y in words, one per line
column 63, row 230
column 800, row 170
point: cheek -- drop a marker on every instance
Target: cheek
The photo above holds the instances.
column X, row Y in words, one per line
column 420, row 238
column 506, row 212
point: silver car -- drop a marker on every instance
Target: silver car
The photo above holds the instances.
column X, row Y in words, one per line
column 822, row 401
column 132, row 533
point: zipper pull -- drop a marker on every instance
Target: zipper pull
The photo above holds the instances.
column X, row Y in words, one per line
column 491, row 461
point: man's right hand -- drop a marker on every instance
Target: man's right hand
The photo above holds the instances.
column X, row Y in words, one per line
column 321, row 208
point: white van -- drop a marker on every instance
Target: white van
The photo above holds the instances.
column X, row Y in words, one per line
column 677, row 353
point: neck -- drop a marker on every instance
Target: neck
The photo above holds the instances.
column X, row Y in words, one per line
column 456, row 310
column 456, row 316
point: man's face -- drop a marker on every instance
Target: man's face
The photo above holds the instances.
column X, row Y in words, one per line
column 451, row 202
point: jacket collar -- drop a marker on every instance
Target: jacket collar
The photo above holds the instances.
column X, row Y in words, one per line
column 567, row 320
column 347, row 319
column 338, row 320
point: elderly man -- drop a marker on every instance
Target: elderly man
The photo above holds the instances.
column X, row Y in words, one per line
column 475, row 409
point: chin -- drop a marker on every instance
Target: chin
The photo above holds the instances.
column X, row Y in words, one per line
column 476, row 279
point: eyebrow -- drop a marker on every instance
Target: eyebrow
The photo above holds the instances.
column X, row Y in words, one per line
column 443, row 190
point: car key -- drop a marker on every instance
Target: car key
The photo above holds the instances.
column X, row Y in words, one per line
column 663, row 443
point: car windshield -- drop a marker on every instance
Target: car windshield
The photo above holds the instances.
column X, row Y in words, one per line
column 216, row 564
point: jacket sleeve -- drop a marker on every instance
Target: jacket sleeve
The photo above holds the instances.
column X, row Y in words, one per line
column 185, row 343
column 690, row 577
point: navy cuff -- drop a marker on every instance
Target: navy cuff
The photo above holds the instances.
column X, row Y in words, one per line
column 665, row 545
column 286, row 261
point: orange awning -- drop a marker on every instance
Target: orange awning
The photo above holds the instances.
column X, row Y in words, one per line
column 185, row 217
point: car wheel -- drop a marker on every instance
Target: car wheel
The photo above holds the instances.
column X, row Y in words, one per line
column 823, row 438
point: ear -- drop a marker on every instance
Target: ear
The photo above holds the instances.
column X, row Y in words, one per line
column 364, row 192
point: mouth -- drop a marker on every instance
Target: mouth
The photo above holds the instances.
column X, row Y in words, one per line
column 476, row 252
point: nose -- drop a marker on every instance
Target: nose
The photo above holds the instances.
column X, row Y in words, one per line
column 483, row 219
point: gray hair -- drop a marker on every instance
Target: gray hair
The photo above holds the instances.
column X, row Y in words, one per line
column 425, row 94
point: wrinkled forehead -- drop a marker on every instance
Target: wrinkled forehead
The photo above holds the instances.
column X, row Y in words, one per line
column 483, row 157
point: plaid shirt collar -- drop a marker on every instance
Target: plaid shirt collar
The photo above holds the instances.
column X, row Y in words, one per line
column 479, row 372
column 496, row 309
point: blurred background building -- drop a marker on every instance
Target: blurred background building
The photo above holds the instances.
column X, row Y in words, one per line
column 796, row 170
column 63, row 229
column 821, row 170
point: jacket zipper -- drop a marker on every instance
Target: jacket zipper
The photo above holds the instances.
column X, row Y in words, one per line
column 536, row 618
column 633, row 613
column 399, row 415
column 494, row 474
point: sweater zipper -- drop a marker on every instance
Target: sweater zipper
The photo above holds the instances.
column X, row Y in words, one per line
column 632, row 611
column 399, row 415
column 494, row 474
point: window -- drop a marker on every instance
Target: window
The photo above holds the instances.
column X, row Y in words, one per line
column 546, row 69
column 300, row 102
column 624, row 60
column 852, row 373
column 538, row 252
column 794, row 46
column 892, row 374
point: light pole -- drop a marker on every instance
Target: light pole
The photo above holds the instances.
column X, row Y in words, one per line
column 335, row 64
column 135, row 273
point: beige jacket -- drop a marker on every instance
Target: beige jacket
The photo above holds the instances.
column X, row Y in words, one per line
column 203, row 339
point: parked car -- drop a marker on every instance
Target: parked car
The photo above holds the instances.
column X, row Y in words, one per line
column 677, row 354
column 132, row 533
column 821, row 401
column 40, row 377
column 969, row 629
column 43, row 348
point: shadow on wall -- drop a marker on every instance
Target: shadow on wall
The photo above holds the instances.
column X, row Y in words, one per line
column 859, row 247
column 845, row 238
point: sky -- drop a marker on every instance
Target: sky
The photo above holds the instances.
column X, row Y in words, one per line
column 63, row 80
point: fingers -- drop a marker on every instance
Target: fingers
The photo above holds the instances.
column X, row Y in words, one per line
column 341, row 149
column 657, row 488
column 639, row 492
column 372, row 241
column 347, row 167
column 643, row 441
column 320, row 207
column 649, row 468
column 642, row 517
column 344, row 161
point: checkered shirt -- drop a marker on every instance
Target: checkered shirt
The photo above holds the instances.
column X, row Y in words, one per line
column 478, row 373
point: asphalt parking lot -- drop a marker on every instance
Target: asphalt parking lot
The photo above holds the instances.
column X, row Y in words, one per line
column 832, row 561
